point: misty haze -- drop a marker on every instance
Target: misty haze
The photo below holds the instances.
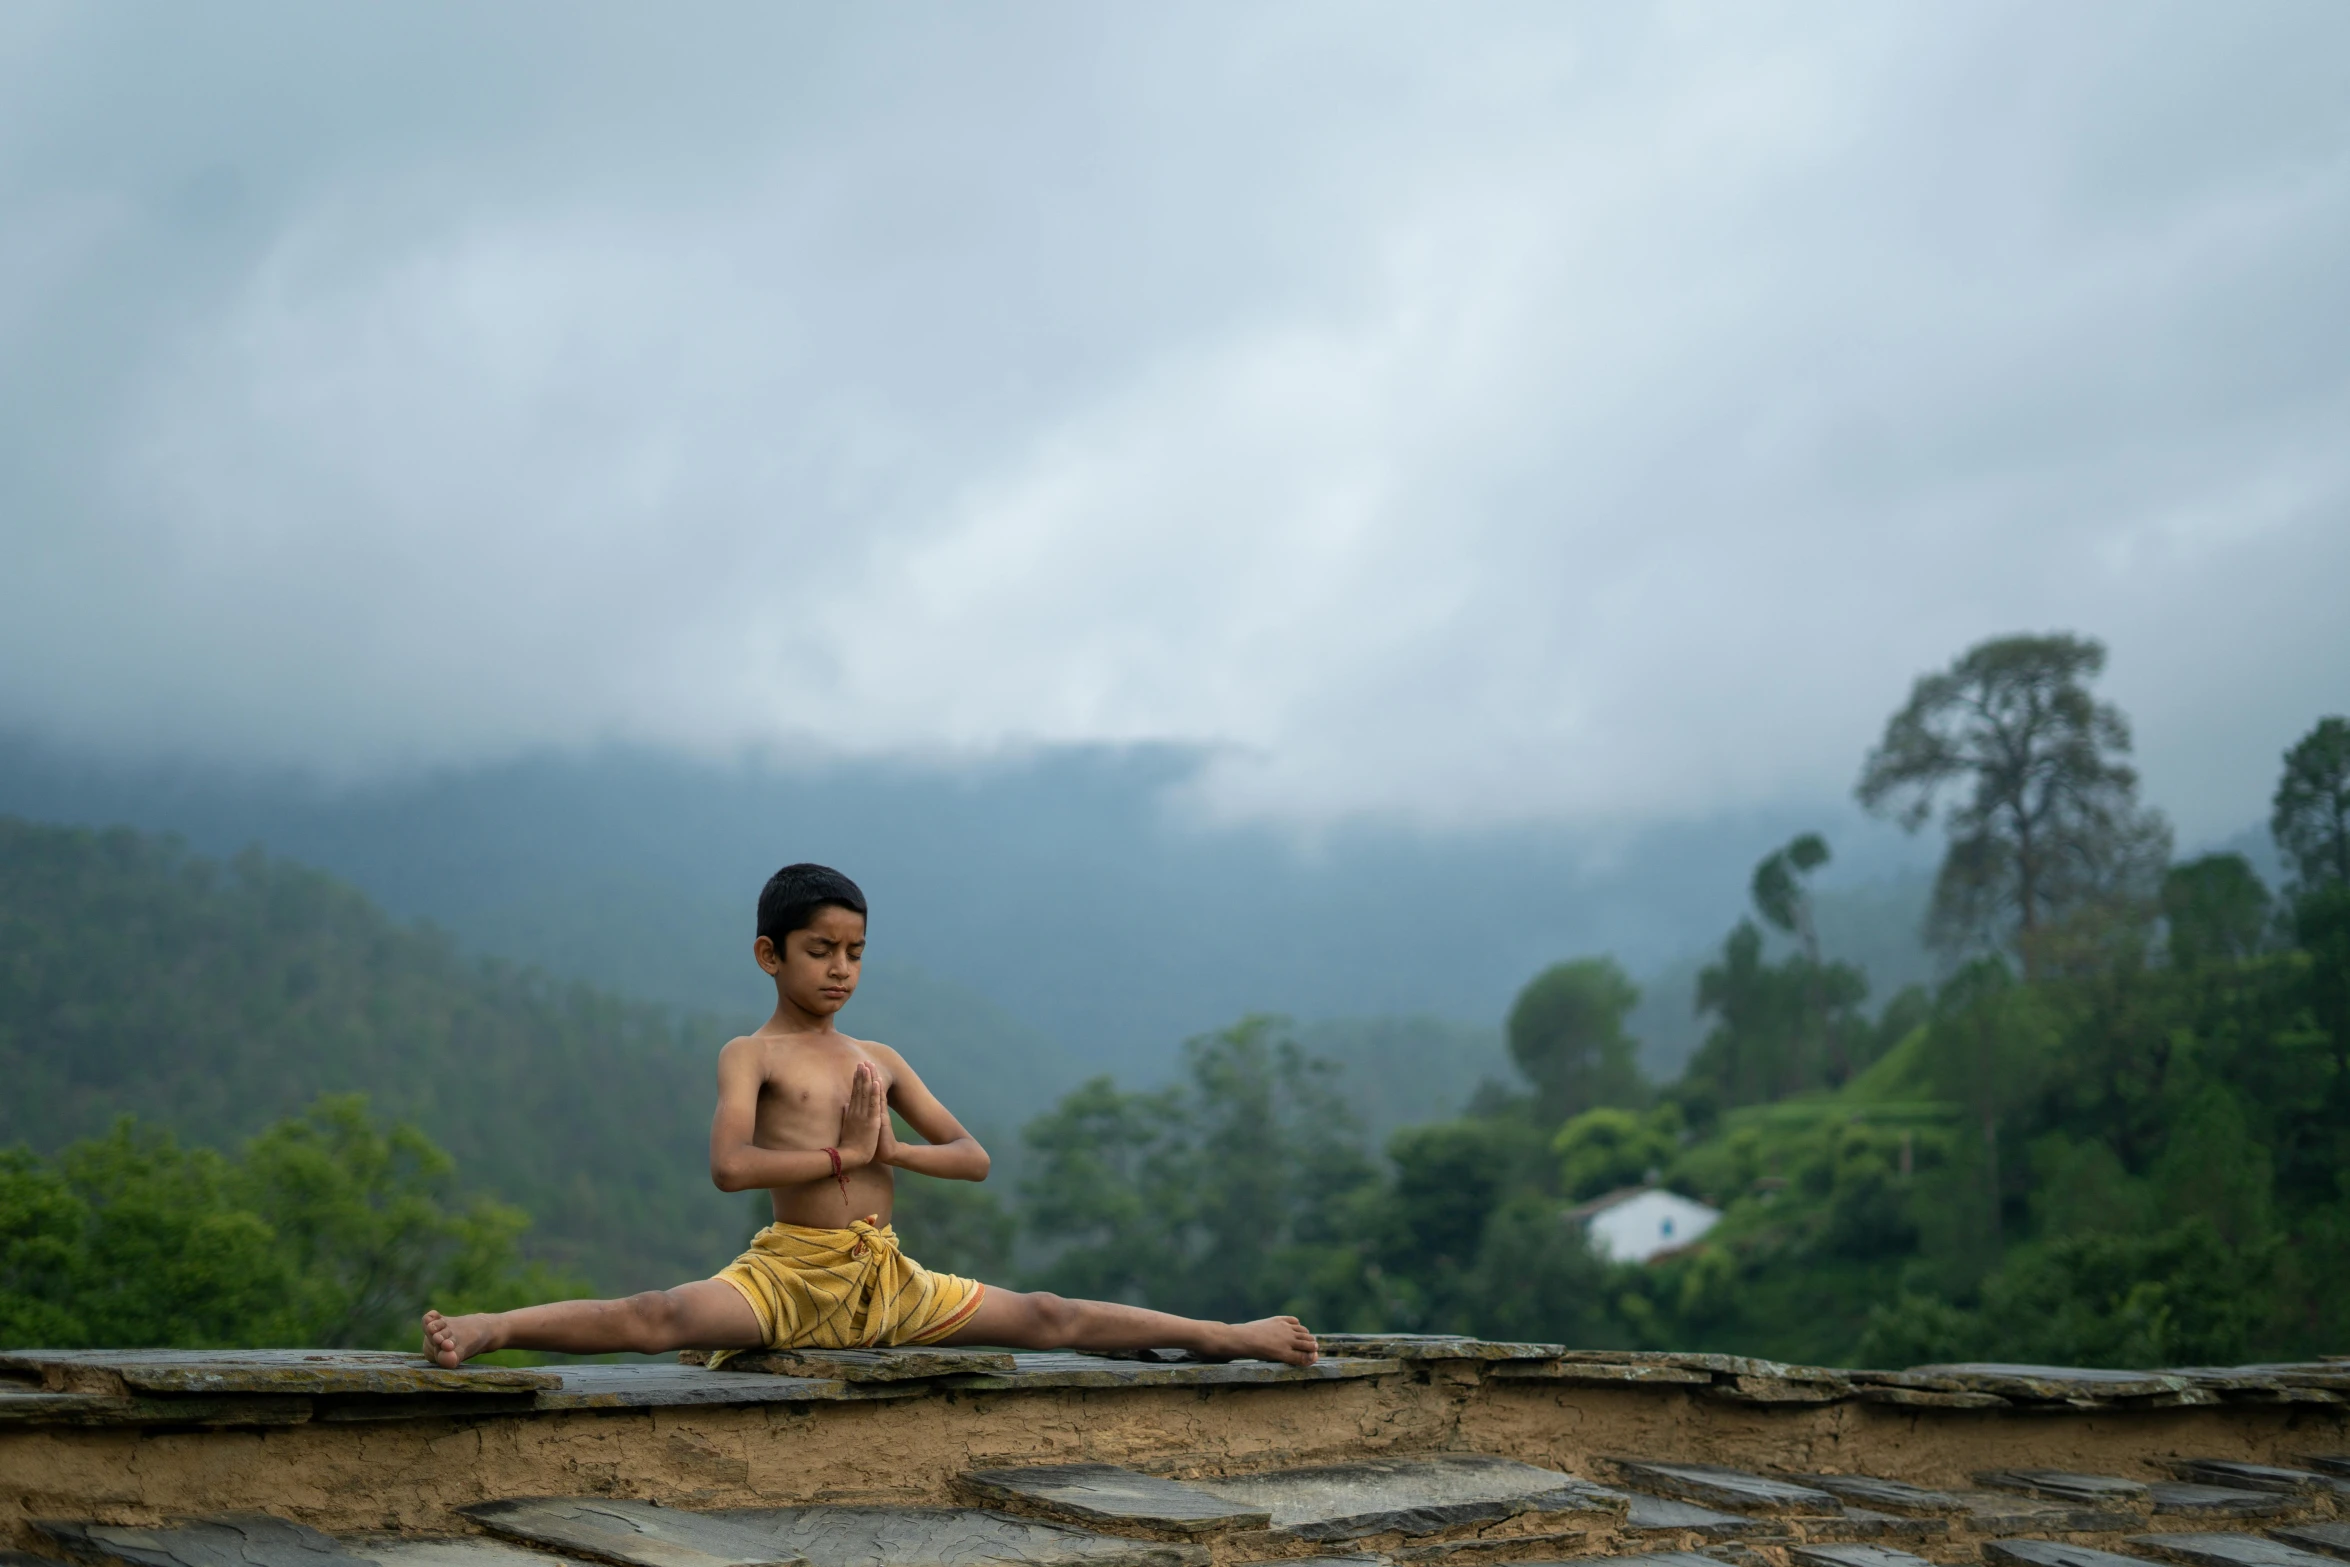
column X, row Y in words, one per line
column 1417, row 624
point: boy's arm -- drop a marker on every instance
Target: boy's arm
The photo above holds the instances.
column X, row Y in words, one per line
column 737, row 1164
column 952, row 1153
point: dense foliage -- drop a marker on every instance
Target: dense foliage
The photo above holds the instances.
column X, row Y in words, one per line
column 2118, row 1132
column 211, row 1001
column 323, row 1230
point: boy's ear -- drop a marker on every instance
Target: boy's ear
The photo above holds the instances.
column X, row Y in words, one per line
column 769, row 959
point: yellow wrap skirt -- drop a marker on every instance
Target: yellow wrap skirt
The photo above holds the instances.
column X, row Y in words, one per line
column 846, row 1289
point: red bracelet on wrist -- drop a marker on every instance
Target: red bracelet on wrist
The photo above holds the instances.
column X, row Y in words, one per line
column 833, row 1154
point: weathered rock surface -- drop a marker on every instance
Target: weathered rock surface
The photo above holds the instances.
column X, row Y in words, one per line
column 2332, row 1538
column 1662, row 1515
column 302, row 1371
column 1893, row 1496
column 1409, row 1496
column 2058, row 1485
column 1853, row 1556
column 231, row 1540
column 1996, row 1515
column 1711, row 1485
column 1426, row 1346
column 2229, row 1550
column 637, row 1534
column 2049, row 1384
column 899, row 1364
column 2217, row 1501
column 1105, row 1493
column 947, row 1537
column 463, row 1551
column 2055, row 1553
column 2254, row 1477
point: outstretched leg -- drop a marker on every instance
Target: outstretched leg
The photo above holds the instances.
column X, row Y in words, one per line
column 706, row 1314
column 1041, row 1321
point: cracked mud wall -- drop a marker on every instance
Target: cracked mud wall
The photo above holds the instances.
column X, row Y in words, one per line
column 409, row 1475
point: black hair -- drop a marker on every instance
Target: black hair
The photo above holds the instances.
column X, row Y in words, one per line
column 792, row 896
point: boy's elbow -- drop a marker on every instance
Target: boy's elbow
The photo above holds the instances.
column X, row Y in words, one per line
column 980, row 1163
column 725, row 1176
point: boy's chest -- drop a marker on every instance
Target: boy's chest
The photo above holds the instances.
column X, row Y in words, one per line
column 813, row 1087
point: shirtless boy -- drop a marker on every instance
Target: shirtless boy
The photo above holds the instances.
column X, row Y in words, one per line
column 803, row 1111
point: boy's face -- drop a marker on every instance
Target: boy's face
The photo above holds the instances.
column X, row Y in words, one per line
column 817, row 966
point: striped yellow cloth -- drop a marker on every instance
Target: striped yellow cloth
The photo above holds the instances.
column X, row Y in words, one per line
column 846, row 1289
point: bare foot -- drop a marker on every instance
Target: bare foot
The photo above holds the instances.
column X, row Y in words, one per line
column 1274, row 1338
column 451, row 1341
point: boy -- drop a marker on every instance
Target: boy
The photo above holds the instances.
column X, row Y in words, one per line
column 803, row 1110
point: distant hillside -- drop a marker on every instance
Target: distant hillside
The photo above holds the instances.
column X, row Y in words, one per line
column 1069, row 886
column 1402, row 1071
column 215, row 998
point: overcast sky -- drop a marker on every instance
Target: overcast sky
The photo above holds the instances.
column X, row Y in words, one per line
column 1454, row 414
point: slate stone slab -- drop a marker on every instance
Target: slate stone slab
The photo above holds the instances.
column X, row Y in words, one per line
column 23, row 1407
column 1409, row 1496
column 1432, row 1346
column 1995, row 1515
column 652, row 1387
column 2253, row 1477
column 894, row 1364
column 300, row 1371
column 1893, row 1496
column 1037, row 1371
column 1865, row 1524
column 948, row 1537
column 1853, row 1556
column 26, row 1559
column 1596, row 1372
column 1751, row 1389
column 1653, row 1559
column 230, row 1540
column 2056, row 1384
column 466, row 1551
column 1718, row 1365
column 637, row 1534
column 1662, row 1515
column 2058, row 1485
column 2332, row 1538
column 2054, row 1553
column 2229, row 1550
column 2217, row 1501
column 1925, row 1398
column 1714, row 1486
column 2328, row 1463
column 1105, row 1493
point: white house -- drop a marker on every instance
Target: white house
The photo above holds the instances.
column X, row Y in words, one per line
column 1638, row 1222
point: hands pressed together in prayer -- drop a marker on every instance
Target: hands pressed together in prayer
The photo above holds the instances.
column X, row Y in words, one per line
column 866, row 1136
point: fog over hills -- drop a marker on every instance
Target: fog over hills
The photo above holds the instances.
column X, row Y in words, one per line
column 1099, row 927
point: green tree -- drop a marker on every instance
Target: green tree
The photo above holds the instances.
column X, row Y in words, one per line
column 1566, row 1032
column 1601, row 1150
column 2046, row 822
column 2310, row 818
column 1231, row 1195
column 324, row 1231
column 2217, row 909
column 1782, row 896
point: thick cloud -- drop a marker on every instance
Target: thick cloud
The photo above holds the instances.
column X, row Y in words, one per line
column 1465, row 416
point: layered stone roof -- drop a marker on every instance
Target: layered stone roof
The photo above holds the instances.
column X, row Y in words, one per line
column 1394, row 1451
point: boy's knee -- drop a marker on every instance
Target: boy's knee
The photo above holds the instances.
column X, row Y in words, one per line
column 1052, row 1313
column 655, row 1316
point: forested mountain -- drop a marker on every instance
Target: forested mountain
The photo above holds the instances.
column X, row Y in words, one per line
column 2117, row 1133
column 1067, row 889
column 213, row 999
